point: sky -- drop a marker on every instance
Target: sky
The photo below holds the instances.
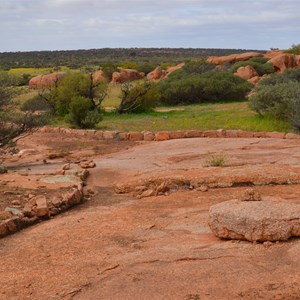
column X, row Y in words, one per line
column 30, row 25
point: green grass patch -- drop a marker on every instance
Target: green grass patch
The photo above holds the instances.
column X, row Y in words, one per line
column 37, row 71
column 199, row 117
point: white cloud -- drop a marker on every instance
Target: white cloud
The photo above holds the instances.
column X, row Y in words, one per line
column 196, row 23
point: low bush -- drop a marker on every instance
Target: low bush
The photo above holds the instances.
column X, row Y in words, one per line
column 279, row 96
column 211, row 86
column 82, row 114
column 138, row 98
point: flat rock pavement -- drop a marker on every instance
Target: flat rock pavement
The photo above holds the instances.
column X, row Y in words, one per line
column 120, row 247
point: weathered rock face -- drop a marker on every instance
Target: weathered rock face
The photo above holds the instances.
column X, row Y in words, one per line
column 98, row 76
column 283, row 61
column 254, row 80
column 45, row 81
column 126, row 75
column 246, row 72
column 219, row 60
column 159, row 74
column 174, row 68
column 156, row 74
column 273, row 53
column 255, row 220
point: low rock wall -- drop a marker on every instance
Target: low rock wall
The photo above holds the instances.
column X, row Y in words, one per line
column 168, row 135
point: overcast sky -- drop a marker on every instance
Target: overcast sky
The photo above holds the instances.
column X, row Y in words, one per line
column 27, row 25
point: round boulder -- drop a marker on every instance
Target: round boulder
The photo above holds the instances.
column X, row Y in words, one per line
column 266, row 220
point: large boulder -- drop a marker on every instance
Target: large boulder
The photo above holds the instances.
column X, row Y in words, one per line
column 246, row 72
column 98, row 76
column 267, row 220
column 283, row 61
column 219, row 60
column 126, row 75
column 45, row 81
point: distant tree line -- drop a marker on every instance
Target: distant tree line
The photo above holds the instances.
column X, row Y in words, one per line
column 93, row 57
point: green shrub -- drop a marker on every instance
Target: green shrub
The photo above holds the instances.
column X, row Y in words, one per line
column 281, row 101
column 295, row 49
column 138, row 98
column 82, row 114
column 211, row 86
column 261, row 68
column 76, row 85
column 286, row 76
column 260, row 60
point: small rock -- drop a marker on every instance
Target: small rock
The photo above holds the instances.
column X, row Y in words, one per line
column 16, row 202
column 66, row 167
column 59, row 172
column 147, row 193
column 56, row 201
column 88, row 165
column 202, row 188
column 90, row 191
column 27, row 210
column 250, row 195
column 267, row 244
column 162, row 188
column 42, row 209
column 83, row 174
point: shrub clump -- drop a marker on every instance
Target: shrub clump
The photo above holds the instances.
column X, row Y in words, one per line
column 81, row 113
column 258, row 63
column 209, row 86
column 279, row 96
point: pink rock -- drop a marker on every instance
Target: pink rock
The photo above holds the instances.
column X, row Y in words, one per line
column 193, row 134
column 254, row 80
column 219, row 60
column 149, row 136
column 45, row 81
column 246, row 72
column 275, row 135
column 99, row 76
column 126, row 75
column 292, row 136
column 42, row 209
column 135, row 136
column 283, row 61
column 255, row 220
column 162, row 136
column 177, row 134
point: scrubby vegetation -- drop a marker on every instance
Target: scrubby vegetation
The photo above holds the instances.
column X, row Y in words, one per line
column 201, row 82
column 260, row 65
column 99, row 57
column 279, row 96
column 295, row 49
column 76, row 100
column 14, row 124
